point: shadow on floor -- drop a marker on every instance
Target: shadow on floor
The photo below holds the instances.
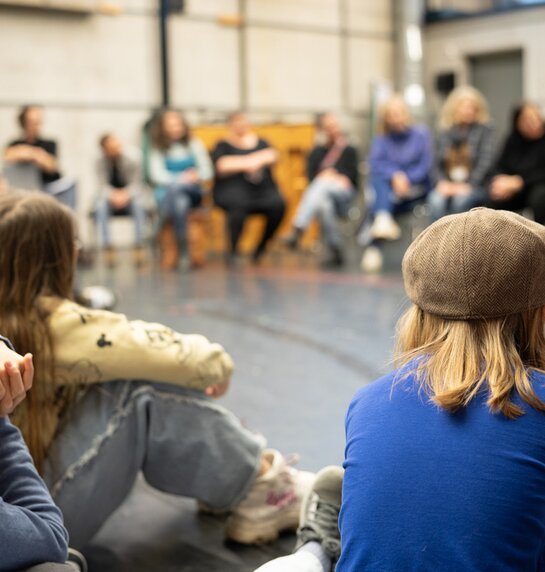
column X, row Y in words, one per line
column 155, row 531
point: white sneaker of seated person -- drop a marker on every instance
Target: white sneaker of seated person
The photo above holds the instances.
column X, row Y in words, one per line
column 384, row 227
column 272, row 505
column 372, row 260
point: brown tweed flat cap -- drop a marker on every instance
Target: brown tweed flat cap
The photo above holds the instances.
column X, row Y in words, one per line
column 480, row 264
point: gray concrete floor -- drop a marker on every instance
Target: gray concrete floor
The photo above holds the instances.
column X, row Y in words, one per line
column 303, row 341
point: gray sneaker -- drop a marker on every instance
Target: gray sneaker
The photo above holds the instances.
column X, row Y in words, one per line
column 320, row 512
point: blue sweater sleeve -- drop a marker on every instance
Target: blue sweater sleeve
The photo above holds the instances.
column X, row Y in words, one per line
column 31, row 526
column 420, row 170
column 380, row 162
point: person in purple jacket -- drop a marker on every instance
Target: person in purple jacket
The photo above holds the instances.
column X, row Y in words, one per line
column 401, row 162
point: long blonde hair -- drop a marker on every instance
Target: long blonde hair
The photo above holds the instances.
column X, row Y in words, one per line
column 448, row 111
column 455, row 360
column 37, row 258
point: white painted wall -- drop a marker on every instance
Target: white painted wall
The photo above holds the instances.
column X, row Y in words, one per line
column 448, row 46
column 100, row 72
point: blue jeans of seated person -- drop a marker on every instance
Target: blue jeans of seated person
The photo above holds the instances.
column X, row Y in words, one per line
column 174, row 203
column 64, row 190
column 387, row 200
column 325, row 200
column 104, row 211
column 181, row 441
column 441, row 206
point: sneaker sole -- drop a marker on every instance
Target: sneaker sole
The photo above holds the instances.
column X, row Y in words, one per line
column 246, row 531
column 386, row 235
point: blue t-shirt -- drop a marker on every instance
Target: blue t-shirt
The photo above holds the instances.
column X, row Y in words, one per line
column 426, row 490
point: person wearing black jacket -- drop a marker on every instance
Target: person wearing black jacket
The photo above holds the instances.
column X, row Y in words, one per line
column 32, row 150
column 32, row 147
column 333, row 174
column 519, row 180
column 245, row 184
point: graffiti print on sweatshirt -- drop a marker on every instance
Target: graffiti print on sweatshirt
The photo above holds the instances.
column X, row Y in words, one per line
column 80, row 372
column 102, row 342
column 159, row 337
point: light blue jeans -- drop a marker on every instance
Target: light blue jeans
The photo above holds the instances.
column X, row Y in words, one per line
column 103, row 212
column 441, row 206
column 183, row 443
column 64, row 190
column 386, row 200
column 325, row 200
column 174, row 203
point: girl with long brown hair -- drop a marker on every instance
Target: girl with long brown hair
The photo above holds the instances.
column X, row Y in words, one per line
column 179, row 167
column 91, row 431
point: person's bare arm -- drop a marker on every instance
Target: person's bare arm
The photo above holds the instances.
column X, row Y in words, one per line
column 234, row 164
column 17, row 153
column 16, row 375
column 504, row 187
column 266, row 157
column 44, row 160
column 445, row 188
column 401, row 184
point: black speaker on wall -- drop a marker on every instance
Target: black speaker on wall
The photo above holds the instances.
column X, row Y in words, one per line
column 445, row 82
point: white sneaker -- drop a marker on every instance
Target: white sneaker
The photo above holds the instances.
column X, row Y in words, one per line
column 384, row 227
column 273, row 503
column 372, row 259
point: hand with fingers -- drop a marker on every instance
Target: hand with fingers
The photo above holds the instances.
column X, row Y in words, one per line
column 16, row 376
column 218, row 390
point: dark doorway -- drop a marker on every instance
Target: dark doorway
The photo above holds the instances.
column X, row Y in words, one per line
column 499, row 77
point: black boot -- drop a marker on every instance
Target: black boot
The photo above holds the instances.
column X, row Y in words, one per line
column 293, row 239
column 335, row 258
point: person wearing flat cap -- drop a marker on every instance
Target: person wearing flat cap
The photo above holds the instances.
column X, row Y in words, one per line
column 445, row 456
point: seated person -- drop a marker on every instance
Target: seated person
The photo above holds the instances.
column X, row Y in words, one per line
column 464, row 154
column 31, row 148
column 400, row 162
column 318, row 539
column 120, row 183
column 333, row 174
column 444, row 459
column 179, row 165
column 519, row 180
column 245, row 184
column 92, row 429
column 31, row 526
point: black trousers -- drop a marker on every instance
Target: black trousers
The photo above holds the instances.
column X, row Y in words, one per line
column 532, row 197
column 271, row 206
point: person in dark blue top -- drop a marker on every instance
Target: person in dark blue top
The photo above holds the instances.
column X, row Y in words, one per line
column 31, row 526
column 445, row 457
